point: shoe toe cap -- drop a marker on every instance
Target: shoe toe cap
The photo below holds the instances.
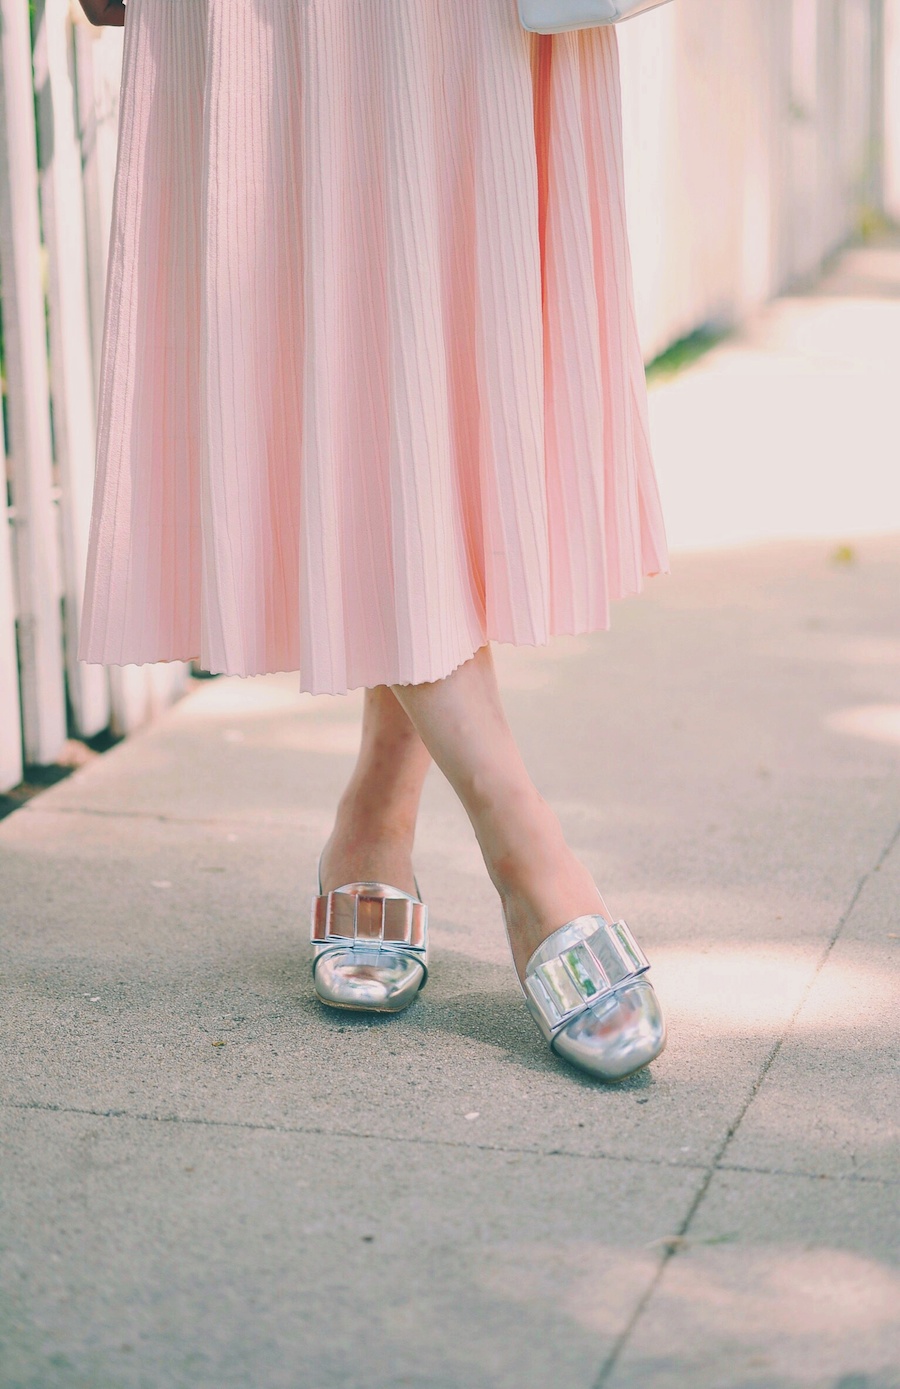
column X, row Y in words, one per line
column 383, row 981
column 618, row 1035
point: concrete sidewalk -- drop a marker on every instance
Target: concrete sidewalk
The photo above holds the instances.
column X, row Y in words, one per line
column 211, row 1182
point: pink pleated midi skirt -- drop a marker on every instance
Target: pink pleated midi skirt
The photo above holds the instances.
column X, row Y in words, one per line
column 371, row 390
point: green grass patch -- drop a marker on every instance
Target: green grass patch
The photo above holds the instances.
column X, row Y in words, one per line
column 685, row 352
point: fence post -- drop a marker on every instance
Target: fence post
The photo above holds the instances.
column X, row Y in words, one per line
column 10, row 713
column 71, row 368
column 37, row 568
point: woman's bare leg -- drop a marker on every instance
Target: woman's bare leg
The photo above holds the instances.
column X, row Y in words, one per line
column 375, row 825
column 460, row 723
column 541, row 883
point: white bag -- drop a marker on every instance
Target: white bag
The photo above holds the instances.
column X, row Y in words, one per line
column 558, row 16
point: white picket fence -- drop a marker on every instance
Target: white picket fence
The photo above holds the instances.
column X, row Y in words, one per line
column 54, row 234
column 753, row 141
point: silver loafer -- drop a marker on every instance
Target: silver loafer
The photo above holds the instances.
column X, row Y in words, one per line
column 370, row 947
column 587, row 990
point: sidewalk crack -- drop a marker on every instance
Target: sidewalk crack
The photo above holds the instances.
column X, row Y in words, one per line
column 717, row 1164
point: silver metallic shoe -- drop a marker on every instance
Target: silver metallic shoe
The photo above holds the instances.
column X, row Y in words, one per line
column 586, row 989
column 370, row 944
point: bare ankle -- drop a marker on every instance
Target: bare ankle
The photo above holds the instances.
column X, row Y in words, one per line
column 365, row 821
column 541, row 882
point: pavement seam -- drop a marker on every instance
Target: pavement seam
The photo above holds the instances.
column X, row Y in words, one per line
column 114, row 813
column 46, row 1107
column 717, row 1165
column 316, row 1130
column 35, row 1106
column 807, row 1176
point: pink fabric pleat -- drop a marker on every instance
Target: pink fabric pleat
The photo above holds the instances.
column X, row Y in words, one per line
column 371, row 389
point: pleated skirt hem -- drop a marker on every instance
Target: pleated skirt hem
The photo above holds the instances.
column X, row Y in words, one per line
column 419, row 675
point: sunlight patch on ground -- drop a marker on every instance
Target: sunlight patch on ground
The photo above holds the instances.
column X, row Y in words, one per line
column 339, row 737
column 788, row 432
column 810, row 1308
column 746, row 990
column 879, row 723
column 261, row 695
column 726, row 1296
column 593, row 1284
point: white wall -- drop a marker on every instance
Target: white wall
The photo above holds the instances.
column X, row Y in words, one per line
column 749, row 154
column 892, row 109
